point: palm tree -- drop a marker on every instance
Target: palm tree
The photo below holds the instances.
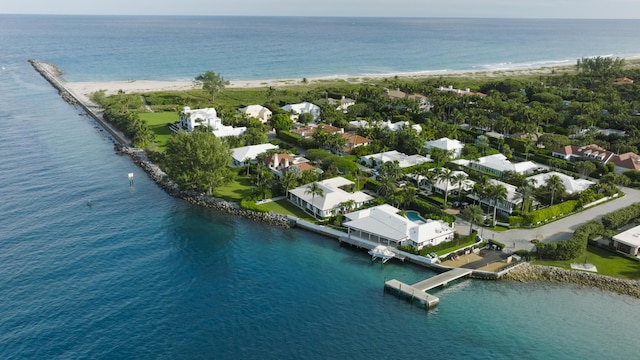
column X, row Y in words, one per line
column 555, row 186
column 288, row 180
column 479, row 189
column 407, row 195
column 459, row 180
column 314, row 189
column 430, row 176
column 525, row 193
column 446, row 175
column 473, row 214
column 496, row 193
column 387, row 186
column 347, row 205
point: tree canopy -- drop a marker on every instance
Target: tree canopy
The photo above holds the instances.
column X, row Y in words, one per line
column 211, row 82
column 198, row 161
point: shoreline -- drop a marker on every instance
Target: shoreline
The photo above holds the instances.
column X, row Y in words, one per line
column 542, row 273
column 85, row 88
column 523, row 273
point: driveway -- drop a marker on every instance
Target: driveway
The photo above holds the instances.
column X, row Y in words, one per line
column 518, row 239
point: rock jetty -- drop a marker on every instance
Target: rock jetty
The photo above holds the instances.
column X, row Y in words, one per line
column 529, row 273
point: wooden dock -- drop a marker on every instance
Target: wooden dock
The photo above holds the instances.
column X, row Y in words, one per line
column 418, row 290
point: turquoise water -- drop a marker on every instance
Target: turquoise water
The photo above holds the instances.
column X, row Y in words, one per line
column 415, row 217
column 142, row 275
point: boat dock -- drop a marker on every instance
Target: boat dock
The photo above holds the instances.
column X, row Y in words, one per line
column 418, row 290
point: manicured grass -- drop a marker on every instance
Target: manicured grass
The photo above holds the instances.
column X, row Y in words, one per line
column 456, row 247
column 158, row 123
column 236, row 190
column 607, row 263
column 286, row 208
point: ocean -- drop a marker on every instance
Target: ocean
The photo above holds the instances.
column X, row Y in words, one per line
column 140, row 274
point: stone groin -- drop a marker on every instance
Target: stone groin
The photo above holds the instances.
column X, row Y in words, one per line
column 528, row 273
column 54, row 76
column 156, row 174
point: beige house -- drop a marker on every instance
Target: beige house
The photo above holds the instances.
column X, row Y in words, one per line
column 258, row 112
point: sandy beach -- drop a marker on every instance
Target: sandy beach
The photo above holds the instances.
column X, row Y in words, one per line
column 84, row 89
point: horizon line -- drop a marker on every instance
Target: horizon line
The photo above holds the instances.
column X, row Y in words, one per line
column 317, row 16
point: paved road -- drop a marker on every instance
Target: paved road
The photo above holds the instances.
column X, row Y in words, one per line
column 517, row 239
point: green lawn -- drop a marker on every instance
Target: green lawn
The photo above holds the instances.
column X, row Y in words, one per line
column 608, row 263
column 286, row 208
column 158, row 123
column 462, row 244
column 236, row 190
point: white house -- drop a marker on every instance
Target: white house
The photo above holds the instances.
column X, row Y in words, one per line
column 301, row 108
column 401, row 125
column 258, row 112
column 329, row 202
column 497, row 164
column 384, row 124
column 192, row 118
column 572, row 186
column 440, row 185
column 403, row 160
column 383, row 224
column 453, row 146
column 342, row 104
column 628, row 241
column 246, row 154
column 514, row 199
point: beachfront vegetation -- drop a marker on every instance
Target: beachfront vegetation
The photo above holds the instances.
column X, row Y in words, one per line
column 197, row 161
column 211, row 82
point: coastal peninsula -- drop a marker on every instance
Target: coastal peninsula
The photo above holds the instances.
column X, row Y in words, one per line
column 82, row 92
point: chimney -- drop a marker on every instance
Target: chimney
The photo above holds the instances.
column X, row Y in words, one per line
column 276, row 163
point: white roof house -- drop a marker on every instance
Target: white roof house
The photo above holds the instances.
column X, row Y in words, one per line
column 504, row 207
column 571, row 185
column 441, row 185
column 192, row 118
column 385, row 124
column 257, row 112
column 446, row 144
column 341, row 104
column 497, row 164
column 403, row 160
column 628, row 241
column 383, row 224
column 301, row 108
column 332, row 196
column 245, row 154
column 400, row 125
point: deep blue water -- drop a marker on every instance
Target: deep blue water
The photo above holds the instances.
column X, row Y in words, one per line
column 142, row 275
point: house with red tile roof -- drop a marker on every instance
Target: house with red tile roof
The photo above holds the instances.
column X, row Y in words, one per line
column 623, row 162
column 281, row 163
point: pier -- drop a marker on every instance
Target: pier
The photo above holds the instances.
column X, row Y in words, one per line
column 418, row 291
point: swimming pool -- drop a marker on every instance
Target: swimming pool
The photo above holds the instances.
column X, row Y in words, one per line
column 415, row 217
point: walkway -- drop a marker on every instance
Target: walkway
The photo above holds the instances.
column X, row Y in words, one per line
column 562, row 229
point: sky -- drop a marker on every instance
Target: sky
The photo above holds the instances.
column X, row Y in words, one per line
column 589, row 9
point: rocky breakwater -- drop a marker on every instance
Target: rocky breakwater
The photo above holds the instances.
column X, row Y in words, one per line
column 162, row 179
column 528, row 273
